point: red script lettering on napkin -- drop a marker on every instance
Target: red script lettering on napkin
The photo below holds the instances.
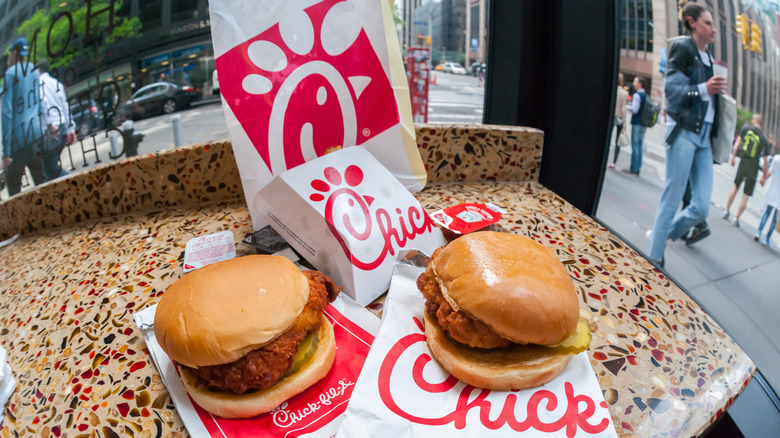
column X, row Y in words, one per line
column 572, row 418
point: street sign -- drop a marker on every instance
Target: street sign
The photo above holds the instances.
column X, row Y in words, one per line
column 474, row 44
column 421, row 23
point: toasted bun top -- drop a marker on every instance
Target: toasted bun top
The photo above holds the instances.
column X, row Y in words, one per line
column 220, row 312
column 513, row 284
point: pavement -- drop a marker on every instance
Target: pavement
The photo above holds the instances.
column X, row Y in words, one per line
column 733, row 277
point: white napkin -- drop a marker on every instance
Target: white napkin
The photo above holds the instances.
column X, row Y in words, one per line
column 7, row 382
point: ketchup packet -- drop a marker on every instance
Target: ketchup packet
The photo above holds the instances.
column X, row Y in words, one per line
column 402, row 392
column 317, row 411
column 348, row 216
column 205, row 250
column 466, row 218
column 299, row 77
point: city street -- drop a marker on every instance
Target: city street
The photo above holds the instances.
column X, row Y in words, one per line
column 733, row 277
column 204, row 121
column 455, row 99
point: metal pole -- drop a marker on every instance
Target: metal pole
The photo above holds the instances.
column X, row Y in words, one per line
column 176, row 121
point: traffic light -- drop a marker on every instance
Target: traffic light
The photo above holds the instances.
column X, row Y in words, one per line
column 742, row 29
column 755, row 38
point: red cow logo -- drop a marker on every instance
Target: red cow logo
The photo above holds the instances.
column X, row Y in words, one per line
column 307, row 83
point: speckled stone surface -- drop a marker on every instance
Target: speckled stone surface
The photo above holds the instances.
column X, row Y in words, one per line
column 189, row 175
column 476, row 153
column 207, row 172
column 665, row 367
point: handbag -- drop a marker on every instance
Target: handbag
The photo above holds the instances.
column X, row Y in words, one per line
column 727, row 124
column 622, row 139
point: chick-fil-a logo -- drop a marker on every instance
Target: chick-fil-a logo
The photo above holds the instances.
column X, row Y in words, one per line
column 348, row 211
column 335, row 394
column 309, row 82
column 572, row 419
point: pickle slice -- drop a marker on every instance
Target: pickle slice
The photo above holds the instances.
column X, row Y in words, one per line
column 577, row 342
column 305, row 353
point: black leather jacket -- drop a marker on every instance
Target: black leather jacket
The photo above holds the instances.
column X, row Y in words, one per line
column 686, row 72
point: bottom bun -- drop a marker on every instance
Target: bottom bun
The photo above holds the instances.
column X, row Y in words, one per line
column 514, row 367
column 229, row 405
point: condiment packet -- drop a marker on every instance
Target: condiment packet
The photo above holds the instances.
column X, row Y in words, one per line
column 318, row 411
column 205, row 250
column 468, row 217
column 403, row 392
column 348, row 216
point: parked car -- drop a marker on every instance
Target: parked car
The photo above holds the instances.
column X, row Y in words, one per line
column 88, row 117
column 453, row 67
column 160, row 97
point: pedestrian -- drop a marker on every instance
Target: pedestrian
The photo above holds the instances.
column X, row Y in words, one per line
column 750, row 145
column 636, row 105
column 771, row 198
column 620, row 113
column 691, row 92
column 59, row 127
column 21, row 110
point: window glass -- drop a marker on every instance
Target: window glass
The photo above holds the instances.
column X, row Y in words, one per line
column 151, row 14
column 182, row 10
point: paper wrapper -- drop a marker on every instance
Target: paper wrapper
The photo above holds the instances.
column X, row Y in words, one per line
column 300, row 76
column 402, row 392
column 318, row 411
column 348, row 216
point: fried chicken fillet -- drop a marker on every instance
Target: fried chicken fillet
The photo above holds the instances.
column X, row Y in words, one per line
column 460, row 326
column 263, row 367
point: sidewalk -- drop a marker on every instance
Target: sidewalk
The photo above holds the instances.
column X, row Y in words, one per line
column 733, row 277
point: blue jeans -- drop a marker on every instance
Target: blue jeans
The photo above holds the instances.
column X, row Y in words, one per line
column 637, row 146
column 690, row 157
column 52, row 167
column 767, row 213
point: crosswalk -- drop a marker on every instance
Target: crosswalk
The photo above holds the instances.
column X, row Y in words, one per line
column 458, row 104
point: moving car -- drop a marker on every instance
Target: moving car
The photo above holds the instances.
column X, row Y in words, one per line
column 160, row 97
column 453, row 67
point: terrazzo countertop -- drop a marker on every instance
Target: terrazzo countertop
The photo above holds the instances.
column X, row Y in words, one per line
column 71, row 285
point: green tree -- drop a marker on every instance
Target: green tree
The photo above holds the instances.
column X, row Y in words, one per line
column 38, row 30
column 397, row 16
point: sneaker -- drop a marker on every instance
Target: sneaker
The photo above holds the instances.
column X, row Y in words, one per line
column 649, row 234
column 630, row 172
column 756, row 237
column 697, row 234
column 736, row 223
column 611, row 166
column 725, row 215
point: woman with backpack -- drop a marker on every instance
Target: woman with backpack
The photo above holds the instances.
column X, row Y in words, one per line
column 692, row 94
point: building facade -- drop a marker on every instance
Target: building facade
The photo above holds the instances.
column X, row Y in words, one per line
column 754, row 78
column 412, row 21
column 174, row 43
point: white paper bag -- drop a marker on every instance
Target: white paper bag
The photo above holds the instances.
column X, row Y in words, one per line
column 403, row 392
column 300, row 76
column 348, row 216
column 727, row 125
